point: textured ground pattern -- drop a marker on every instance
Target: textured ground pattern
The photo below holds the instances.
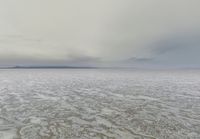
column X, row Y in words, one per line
column 99, row 104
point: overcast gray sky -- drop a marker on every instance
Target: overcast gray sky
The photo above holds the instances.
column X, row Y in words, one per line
column 95, row 32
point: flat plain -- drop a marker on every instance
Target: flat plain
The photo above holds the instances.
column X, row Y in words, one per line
column 99, row 104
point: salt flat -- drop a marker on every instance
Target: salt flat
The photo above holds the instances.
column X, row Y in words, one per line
column 99, row 103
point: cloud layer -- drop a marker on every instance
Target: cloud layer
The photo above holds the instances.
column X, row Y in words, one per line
column 92, row 32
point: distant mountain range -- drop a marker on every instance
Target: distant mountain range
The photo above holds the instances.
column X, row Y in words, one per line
column 133, row 63
column 47, row 67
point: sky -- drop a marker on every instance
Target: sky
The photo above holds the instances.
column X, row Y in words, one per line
column 100, row 33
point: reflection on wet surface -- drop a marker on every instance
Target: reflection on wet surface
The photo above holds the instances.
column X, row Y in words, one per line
column 102, row 104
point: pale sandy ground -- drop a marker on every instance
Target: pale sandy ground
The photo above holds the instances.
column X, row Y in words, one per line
column 104, row 104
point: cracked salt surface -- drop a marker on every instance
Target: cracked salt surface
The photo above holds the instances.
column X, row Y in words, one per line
column 104, row 104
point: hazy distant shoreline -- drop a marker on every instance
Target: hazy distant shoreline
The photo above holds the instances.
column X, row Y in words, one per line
column 112, row 68
column 48, row 67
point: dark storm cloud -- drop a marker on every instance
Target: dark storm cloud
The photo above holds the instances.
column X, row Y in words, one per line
column 176, row 50
column 179, row 49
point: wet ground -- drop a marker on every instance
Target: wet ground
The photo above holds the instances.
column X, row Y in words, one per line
column 99, row 104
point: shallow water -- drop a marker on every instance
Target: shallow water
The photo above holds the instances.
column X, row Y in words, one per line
column 104, row 104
